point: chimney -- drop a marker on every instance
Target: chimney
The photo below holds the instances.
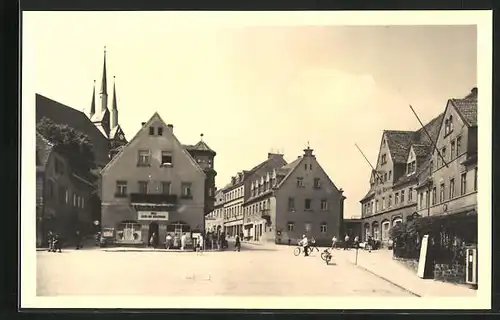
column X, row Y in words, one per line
column 170, row 128
column 233, row 180
column 143, row 123
column 308, row 152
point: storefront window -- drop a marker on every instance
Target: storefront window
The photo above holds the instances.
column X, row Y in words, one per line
column 128, row 232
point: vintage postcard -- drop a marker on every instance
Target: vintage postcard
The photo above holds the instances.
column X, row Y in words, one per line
column 298, row 160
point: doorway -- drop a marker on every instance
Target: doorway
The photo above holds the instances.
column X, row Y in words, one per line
column 154, row 228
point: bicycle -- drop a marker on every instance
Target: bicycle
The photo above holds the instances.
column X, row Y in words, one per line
column 298, row 250
column 326, row 256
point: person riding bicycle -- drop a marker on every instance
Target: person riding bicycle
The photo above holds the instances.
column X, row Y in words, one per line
column 305, row 244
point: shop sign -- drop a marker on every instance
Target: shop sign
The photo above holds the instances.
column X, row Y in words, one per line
column 151, row 215
column 107, row 233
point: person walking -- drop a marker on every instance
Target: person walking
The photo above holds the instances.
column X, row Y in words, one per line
column 200, row 244
column 313, row 244
column 78, row 238
column 346, row 242
column 334, row 242
column 50, row 240
column 57, row 243
column 152, row 240
column 168, row 241
column 237, row 244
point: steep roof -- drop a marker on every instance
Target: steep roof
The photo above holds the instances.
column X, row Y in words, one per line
column 136, row 136
column 421, row 150
column 467, row 108
column 200, row 146
column 62, row 114
column 288, row 169
column 43, row 150
column 399, row 143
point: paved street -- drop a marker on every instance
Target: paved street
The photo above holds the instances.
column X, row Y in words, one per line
column 256, row 270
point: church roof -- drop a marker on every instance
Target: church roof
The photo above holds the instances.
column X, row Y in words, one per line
column 62, row 114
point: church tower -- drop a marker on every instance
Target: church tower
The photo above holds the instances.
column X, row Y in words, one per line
column 101, row 117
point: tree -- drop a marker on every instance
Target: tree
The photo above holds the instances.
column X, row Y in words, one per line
column 74, row 145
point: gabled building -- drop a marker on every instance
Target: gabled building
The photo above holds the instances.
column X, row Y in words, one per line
column 154, row 185
column 214, row 221
column 403, row 184
column 295, row 199
column 239, row 190
column 64, row 200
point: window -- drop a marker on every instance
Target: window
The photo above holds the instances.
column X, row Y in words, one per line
column 402, row 196
column 210, row 192
column 166, row 158
column 323, row 228
column 386, row 225
column 307, row 204
column 121, row 188
column 291, row 226
column 475, row 179
column 441, row 192
column 390, row 175
column 376, row 206
column 385, row 176
column 151, row 131
column 389, row 201
column 450, row 124
column 452, row 149
column 66, row 196
column 305, row 166
column 143, row 187
column 459, row 146
column 421, row 200
column 431, row 165
column 186, row 190
column 310, row 166
column 383, row 203
column 317, row 183
column 143, row 158
column 384, row 159
column 300, row 182
column 160, row 131
column 396, row 198
column 463, row 183
column 375, row 229
column 166, row 187
column 324, row 205
column 307, row 227
column 410, row 194
column 74, row 200
column 411, row 167
column 434, row 195
column 452, row 189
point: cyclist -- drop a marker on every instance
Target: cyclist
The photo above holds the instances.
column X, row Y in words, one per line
column 305, row 244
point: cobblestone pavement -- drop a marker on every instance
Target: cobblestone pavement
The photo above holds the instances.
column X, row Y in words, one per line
column 256, row 270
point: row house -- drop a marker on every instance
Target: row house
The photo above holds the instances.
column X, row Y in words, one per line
column 214, row 221
column 64, row 202
column 293, row 200
column 240, row 189
column 410, row 178
column 154, row 184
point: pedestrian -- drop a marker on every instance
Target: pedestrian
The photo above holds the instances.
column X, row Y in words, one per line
column 168, row 241
column 346, row 242
column 305, row 244
column 313, row 244
column 78, row 238
column 200, row 244
column 183, row 241
column 334, row 242
column 237, row 244
column 50, row 240
column 289, row 241
column 370, row 244
column 176, row 240
column 152, row 240
column 57, row 243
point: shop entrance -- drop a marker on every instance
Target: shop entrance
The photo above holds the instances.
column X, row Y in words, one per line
column 154, row 229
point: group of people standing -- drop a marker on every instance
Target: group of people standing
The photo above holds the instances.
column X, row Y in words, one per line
column 55, row 241
column 202, row 241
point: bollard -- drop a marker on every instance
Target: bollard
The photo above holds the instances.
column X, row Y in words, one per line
column 356, row 263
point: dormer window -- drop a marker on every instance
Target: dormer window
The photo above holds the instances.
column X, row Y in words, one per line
column 448, row 125
column 411, row 167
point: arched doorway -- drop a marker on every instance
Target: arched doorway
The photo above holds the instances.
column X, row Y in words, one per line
column 154, row 229
column 367, row 231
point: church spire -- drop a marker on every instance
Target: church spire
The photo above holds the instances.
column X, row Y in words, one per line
column 104, row 83
column 114, row 111
column 92, row 104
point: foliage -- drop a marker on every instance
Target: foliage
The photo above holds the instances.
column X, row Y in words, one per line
column 74, row 145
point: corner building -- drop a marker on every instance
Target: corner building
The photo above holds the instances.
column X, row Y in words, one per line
column 295, row 199
column 155, row 184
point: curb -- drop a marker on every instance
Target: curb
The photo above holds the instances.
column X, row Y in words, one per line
column 385, row 279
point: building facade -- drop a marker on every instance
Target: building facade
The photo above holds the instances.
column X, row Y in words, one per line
column 239, row 190
column 64, row 199
column 295, row 199
column 214, row 221
column 409, row 177
column 154, row 185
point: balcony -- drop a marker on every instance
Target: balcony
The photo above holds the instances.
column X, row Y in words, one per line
column 153, row 198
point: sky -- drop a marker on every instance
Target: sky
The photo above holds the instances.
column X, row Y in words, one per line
column 253, row 90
